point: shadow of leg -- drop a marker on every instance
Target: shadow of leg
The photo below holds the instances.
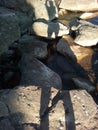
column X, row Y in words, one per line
column 69, row 113
column 45, row 98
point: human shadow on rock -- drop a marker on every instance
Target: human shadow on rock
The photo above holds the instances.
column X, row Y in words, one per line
column 51, row 31
column 95, row 71
column 67, row 69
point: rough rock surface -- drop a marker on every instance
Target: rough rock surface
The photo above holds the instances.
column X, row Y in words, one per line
column 25, row 21
column 72, row 109
column 9, row 29
column 36, row 73
column 64, row 48
column 87, row 5
column 15, row 4
column 35, row 101
column 44, row 9
column 70, row 71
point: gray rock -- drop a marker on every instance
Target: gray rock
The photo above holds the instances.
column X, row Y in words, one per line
column 36, row 73
column 3, row 109
column 64, row 48
column 80, row 5
column 86, row 33
column 33, row 47
column 89, row 15
column 9, row 29
column 25, row 21
column 21, row 5
column 27, row 39
column 5, row 124
column 49, row 30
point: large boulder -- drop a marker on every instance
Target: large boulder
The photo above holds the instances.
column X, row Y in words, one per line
column 49, row 30
column 9, row 29
column 79, row 5
column 36, row 73
column 72, row 74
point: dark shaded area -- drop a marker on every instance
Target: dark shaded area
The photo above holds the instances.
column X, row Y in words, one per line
column 10, row 73
column 51, row 8
column 95, row 70
column 69, row 112
column 94, row 20
column 44, row 109
column 67, row 69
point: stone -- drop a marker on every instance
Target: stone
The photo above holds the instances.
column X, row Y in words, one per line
column 5, row 124
column 87, row 5
column 64, row 48
column 49, row 30
column 25, row 21
column 44, row 9
column 26, row 38
column 37, row 9
column 9, row 29
column 33, row 47
column 67, row 69
column 88, row 15
column 36, row 73
column 9, row 71
column 86, row 33
column 3, row 109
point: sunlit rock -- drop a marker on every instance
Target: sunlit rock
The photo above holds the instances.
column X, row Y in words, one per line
column 44, row 9
column 85, row 33
column 88, row 15
column 79, row 5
